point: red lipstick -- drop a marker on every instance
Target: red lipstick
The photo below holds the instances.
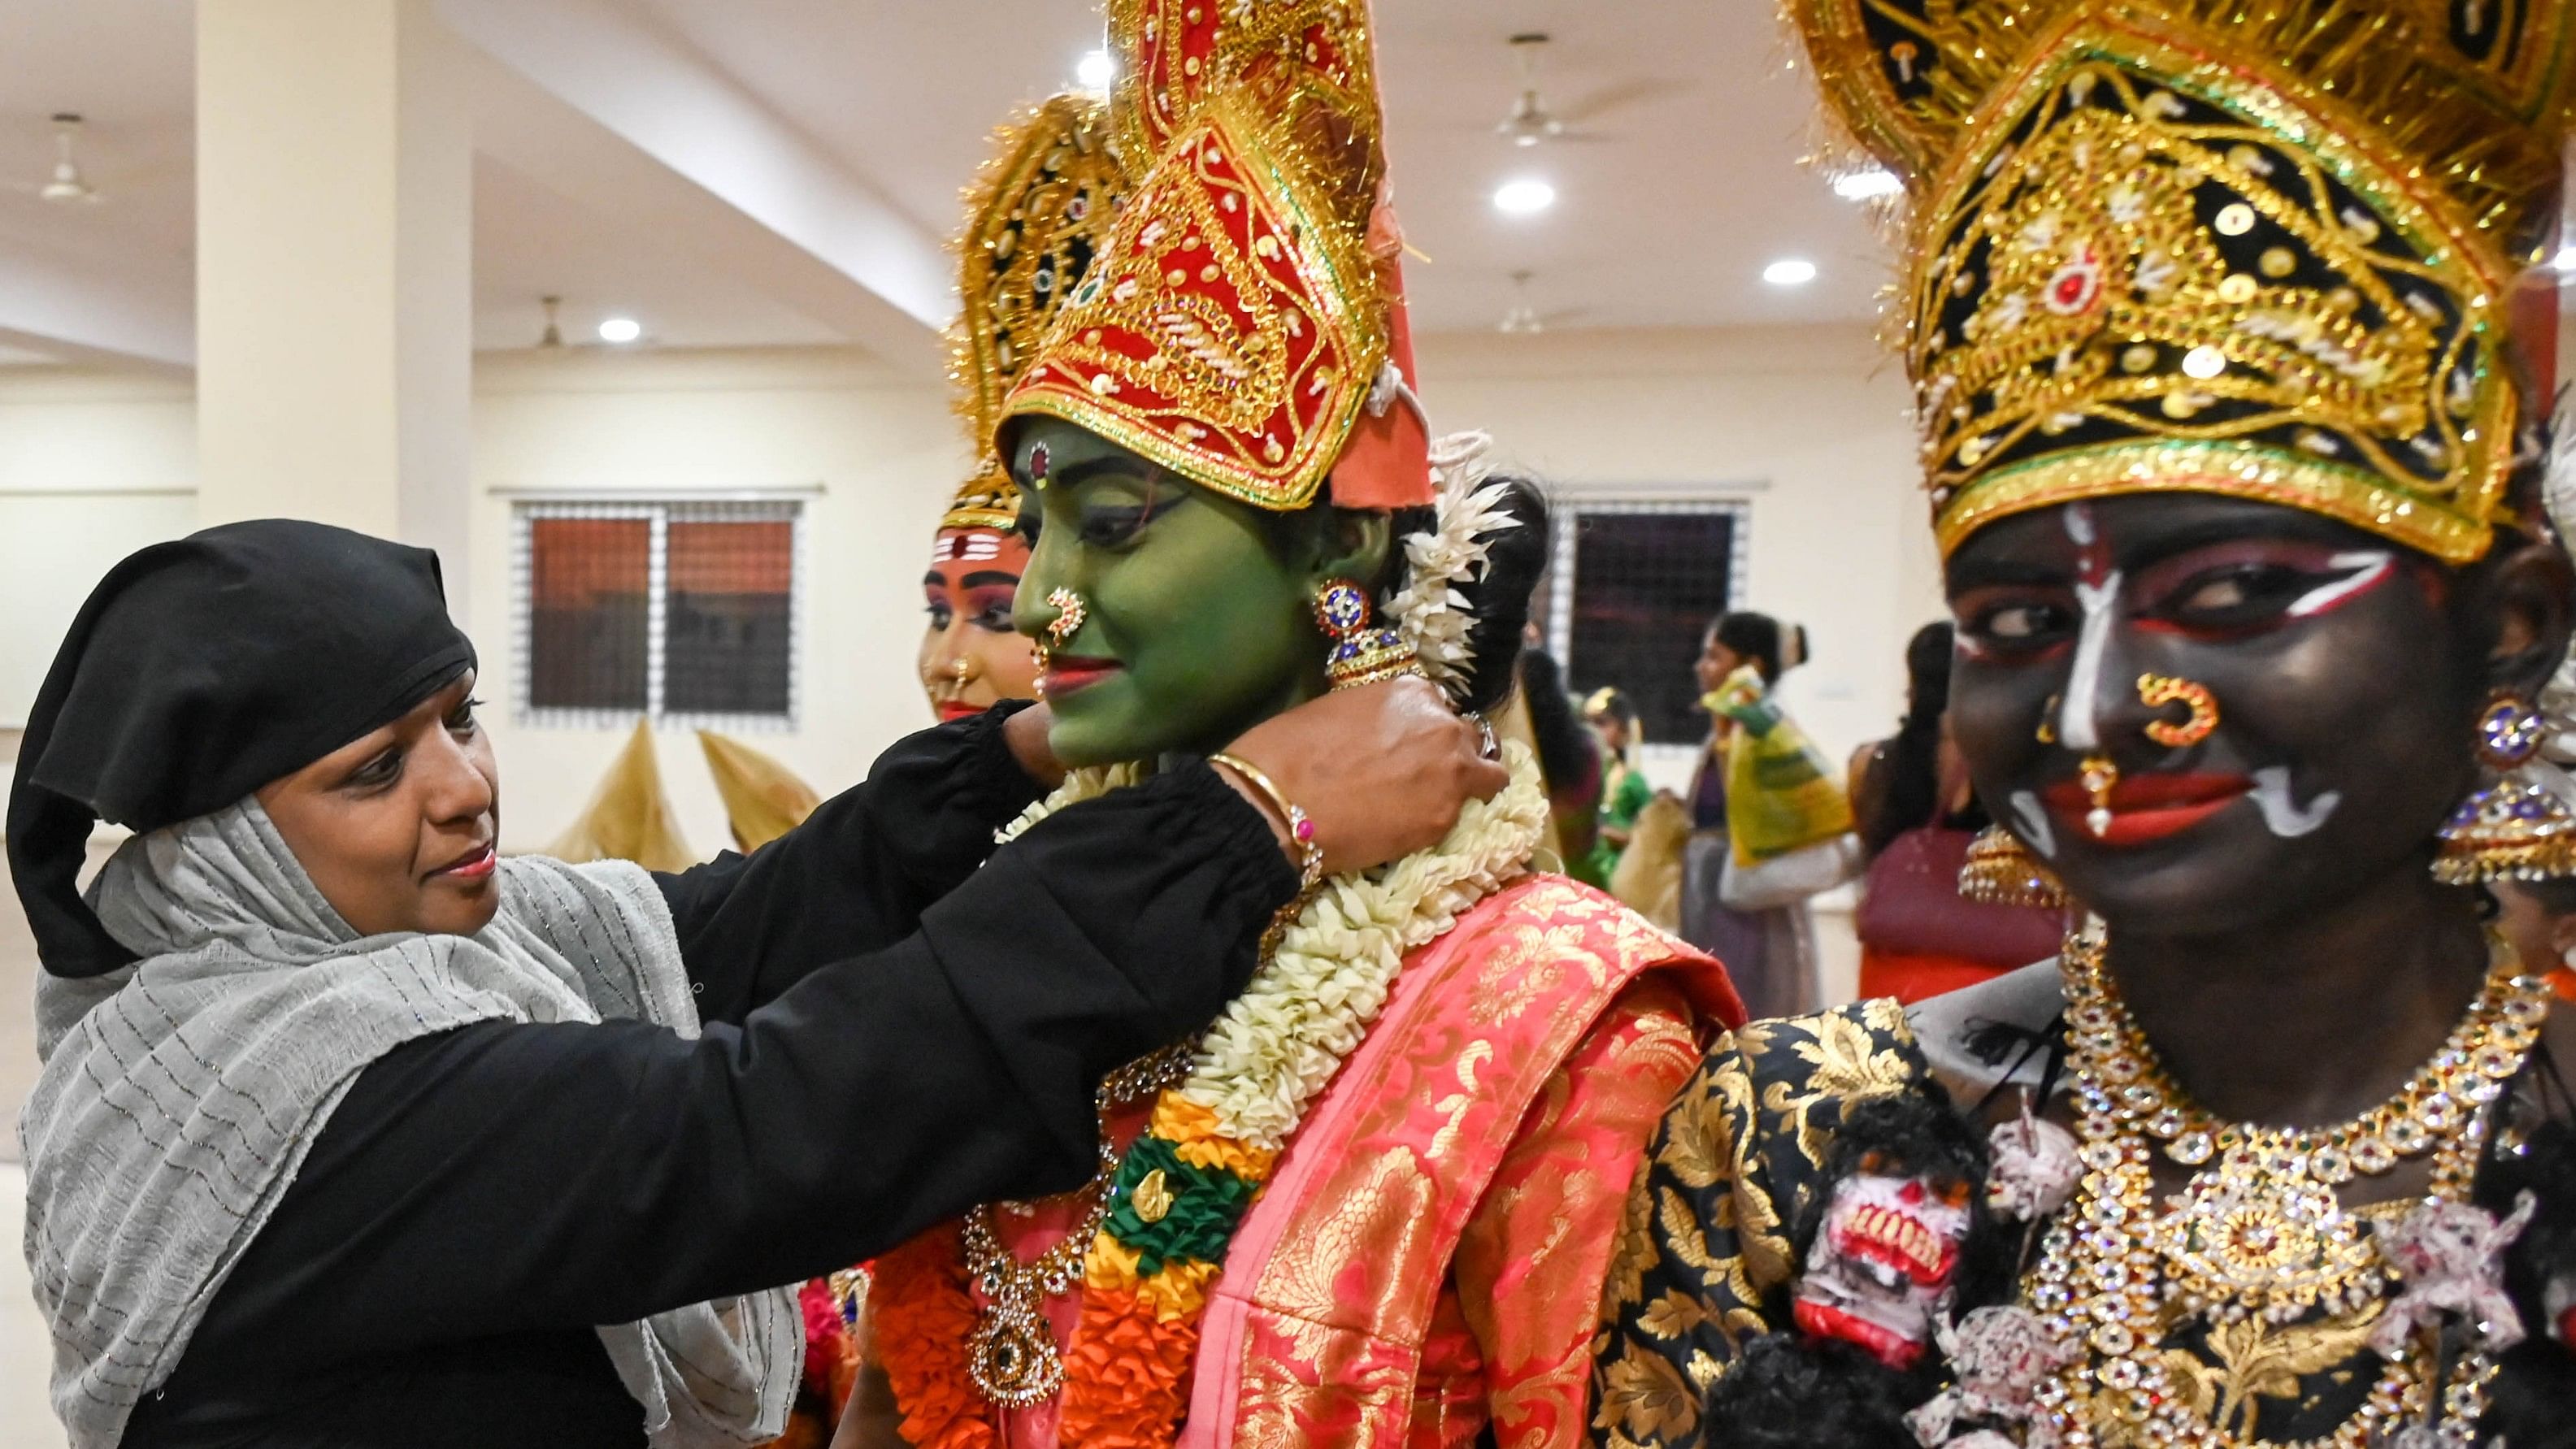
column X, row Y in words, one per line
column 1068, row 674
column 2147, row 808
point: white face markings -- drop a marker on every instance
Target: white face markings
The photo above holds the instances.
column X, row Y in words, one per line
column 943, row 549
column 2097, row 591
column 2369, row 567
column 982, row 546
column 2283, row 815
column 2033, row 818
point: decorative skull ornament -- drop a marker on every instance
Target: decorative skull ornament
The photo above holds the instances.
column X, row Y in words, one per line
column 1885, row 1261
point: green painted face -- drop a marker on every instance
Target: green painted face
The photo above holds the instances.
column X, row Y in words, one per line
column 1197, row 610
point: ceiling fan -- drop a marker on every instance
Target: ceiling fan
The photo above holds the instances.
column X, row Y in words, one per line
column 1525, row 319
column 68, row 185
column 1533, row 122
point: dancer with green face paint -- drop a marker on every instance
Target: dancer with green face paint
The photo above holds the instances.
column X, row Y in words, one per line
column 1236, row 507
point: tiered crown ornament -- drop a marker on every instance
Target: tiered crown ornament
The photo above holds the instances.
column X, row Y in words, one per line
column 2211, row 246
column 1244, row 324
column 1035, row 220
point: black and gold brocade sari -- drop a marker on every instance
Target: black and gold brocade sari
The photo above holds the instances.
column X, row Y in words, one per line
column 1709, row 1257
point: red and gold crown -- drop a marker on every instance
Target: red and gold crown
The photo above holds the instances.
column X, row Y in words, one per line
column 1244, row 325
column 1035, row 219
column 2265, row 248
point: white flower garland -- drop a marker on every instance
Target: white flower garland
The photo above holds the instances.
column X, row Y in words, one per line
column 1306, row 1009
column 1429, row 611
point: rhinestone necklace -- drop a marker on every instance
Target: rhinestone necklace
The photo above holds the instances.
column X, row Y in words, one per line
column 2258, row 1248
column 1013, row 1359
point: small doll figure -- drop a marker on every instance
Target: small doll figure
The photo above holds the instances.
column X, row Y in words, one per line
column 2451, row 1256
column 2000, row 1355
column 1883, row 1266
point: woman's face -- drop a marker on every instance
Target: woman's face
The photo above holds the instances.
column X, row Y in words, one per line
column 2346, row 672
column 1612, row 730
column 1716, row 662
column 1197, row 613
column 971, row 657
column 398, row 827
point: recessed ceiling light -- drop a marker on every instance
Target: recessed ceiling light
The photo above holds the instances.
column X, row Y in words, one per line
column 1789, row 272
column 1096, row 70
column 620, row 329
column 1868, row 185
column 1526, row 197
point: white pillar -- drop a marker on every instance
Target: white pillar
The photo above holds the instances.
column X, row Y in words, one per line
column 335, row 269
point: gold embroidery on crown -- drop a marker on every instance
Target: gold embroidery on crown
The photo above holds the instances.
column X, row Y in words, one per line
column 2353, row 352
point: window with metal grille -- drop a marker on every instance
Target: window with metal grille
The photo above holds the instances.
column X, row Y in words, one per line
column 1630, row 593
column 682, row 612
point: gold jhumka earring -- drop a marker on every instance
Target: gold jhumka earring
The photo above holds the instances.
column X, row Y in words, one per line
column 2001, row 871
column 2514, row 827
column 1361, row 654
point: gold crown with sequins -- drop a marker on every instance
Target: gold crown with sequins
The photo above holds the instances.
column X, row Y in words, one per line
column 2261, row 248
column 1035, row 218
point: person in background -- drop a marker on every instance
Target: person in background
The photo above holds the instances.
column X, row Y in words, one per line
column 1917, row 814
column 1569, row 760
column 1624, row 790
column 1771, row 954
column 2539, row 918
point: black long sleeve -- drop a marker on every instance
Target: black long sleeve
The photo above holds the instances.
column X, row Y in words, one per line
column 509, row 1178
column 857, row 875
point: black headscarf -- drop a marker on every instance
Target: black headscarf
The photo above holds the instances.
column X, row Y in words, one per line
column 200, row 671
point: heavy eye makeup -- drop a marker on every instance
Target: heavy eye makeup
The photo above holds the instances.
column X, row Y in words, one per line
column 2247, row 587
column 2016, row 622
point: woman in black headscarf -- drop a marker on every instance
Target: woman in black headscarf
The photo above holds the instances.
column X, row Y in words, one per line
column 350, row 1132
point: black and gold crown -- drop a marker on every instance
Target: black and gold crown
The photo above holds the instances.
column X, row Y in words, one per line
column 1034, row 219
column 2264, row 248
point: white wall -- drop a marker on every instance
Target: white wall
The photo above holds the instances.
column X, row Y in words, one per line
column 1814, row 418
column 1838, row 535
column 92, row 467
column 886, row 455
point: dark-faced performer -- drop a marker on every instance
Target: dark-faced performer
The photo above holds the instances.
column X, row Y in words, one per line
column 352, row 1133
column 2213, row 325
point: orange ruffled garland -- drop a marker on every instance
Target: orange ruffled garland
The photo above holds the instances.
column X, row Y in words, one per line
column 924, row 1318
column 1127, row 1374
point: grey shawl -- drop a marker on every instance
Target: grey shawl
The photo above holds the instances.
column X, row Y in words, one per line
column 180, row 1095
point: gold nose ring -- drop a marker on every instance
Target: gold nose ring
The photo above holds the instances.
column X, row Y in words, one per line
column 2155, row 691
column 1070, row 613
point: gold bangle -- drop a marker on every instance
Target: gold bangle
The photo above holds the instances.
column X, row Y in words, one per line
column 1310, row 857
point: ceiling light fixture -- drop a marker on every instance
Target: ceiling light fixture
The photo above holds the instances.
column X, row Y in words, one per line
column 620, row 330
column 1096, row 71
column 1527, row 196
column 1789, row 272
column 1867, row 185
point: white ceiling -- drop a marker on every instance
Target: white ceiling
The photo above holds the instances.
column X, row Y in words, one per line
column 847, row 128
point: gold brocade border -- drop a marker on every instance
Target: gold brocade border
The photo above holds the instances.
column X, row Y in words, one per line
column 2236, row 470
column 1324, row 261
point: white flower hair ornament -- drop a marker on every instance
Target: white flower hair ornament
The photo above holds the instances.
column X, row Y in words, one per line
column 1471, row 508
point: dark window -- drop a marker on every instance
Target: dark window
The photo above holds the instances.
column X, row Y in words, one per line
column 1634, row 589
column 590, row 597
column 664, row 610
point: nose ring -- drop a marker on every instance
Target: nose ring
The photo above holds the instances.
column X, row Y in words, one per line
column 2155, row 691
column 2048, row 721
column 963, row 670
column 1069, row 615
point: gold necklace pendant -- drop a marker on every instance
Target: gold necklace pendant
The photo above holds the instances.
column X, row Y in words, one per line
column 1012, row 1357
column 2193, row 1314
